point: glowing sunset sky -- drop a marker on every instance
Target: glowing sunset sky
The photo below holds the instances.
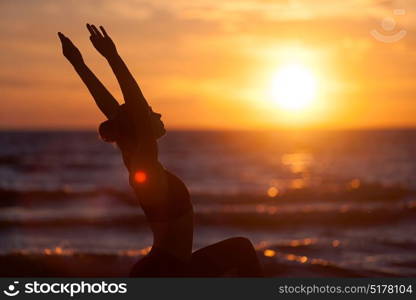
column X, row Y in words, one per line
column 210, row 64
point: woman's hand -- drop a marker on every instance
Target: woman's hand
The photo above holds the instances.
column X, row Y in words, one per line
column 102, row 41
column 69, row 50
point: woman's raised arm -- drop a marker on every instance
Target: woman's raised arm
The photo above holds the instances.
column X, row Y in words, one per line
column 136, row 104
column 103, row 98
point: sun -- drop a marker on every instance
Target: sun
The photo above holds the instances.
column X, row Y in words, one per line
column 294, row 87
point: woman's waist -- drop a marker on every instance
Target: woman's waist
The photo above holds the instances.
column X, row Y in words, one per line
column 174, row 236
column 168, row 212
column 173, row 203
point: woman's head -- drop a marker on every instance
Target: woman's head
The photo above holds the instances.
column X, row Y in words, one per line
column 115, row 129
column 108, row 131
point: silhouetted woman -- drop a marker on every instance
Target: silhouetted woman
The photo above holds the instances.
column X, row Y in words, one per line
column 163, row 196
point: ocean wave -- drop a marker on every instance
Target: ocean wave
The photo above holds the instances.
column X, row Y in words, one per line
column 253, row 217
column 18, row 197
column 365, row 192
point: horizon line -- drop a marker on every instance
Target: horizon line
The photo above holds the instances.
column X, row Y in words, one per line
column 190, row 129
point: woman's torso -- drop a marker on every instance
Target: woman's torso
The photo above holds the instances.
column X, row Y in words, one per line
column 171, row 221
column 170, row 216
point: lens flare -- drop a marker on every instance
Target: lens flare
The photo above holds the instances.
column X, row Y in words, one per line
column 140, row 177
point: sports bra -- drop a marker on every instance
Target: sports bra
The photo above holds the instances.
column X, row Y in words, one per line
column 178, row 202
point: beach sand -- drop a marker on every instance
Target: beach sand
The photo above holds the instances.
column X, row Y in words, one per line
column 93, row 265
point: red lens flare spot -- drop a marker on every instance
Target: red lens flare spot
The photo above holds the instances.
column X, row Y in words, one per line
column 140, row 177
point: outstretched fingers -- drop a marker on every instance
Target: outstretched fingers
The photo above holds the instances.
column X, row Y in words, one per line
column 94, row 31
column 91, row 30
column 69, row 50
column 64, row 39
column 101, row 40
column 104, row 32
column 61, row 38
column 97, row 32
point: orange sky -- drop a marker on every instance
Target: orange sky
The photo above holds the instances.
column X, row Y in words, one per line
column 208, row 64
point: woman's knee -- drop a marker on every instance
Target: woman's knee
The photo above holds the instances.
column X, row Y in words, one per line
column 231, row 248
column 240, row 243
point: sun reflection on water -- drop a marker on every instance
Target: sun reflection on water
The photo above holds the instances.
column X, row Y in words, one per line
column 297, row 162
column 58, row 251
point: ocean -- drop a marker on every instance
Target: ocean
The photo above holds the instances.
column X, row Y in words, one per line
column 332, row 200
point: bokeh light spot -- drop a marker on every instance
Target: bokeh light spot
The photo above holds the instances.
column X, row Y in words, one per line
column 355, row 184
column 272, row 192
column 336, row 243
column 269, row 253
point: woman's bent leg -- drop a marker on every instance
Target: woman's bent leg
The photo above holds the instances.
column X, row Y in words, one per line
column 232, row 257
column 159, row 264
